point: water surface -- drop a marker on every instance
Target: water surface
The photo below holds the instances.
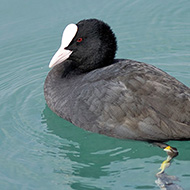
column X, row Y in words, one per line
column 38, row 149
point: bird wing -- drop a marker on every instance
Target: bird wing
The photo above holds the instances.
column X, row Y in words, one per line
column 133, row 100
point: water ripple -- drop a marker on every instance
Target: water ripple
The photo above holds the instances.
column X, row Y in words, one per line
column 39, row 150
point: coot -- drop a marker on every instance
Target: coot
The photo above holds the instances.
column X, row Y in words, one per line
column 121, row 98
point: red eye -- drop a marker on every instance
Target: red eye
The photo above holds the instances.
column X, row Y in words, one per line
column 79, row 40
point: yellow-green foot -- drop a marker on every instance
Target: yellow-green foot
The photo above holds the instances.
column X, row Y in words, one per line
column 171, row 152
column 165, row 164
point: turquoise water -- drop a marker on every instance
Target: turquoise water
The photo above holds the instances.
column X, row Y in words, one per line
column 39, row 150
